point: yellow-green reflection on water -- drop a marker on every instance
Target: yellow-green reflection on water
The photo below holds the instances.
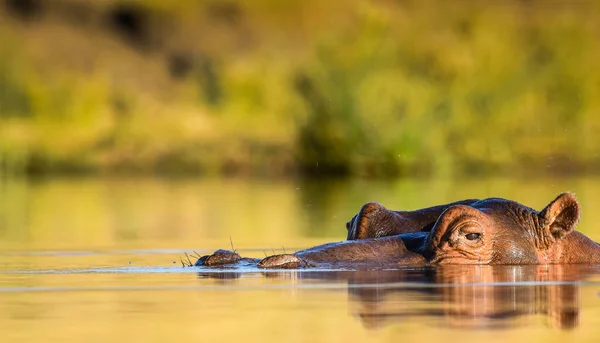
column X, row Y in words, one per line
column 93, row 260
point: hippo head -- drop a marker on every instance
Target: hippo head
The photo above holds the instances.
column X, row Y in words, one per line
column 500, row 231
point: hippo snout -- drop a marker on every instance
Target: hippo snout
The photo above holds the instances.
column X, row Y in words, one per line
column 284, row 261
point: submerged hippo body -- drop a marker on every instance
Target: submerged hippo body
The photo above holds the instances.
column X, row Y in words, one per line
column 490, row 231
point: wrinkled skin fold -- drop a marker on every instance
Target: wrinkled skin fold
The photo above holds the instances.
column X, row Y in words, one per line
column 491, row 231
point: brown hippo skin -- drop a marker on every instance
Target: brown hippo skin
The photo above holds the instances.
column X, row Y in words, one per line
column 489, row 231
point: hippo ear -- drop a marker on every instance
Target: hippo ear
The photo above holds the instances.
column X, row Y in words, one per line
column 561, row 216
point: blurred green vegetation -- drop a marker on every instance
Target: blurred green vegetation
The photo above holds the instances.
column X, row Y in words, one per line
column 265, row 87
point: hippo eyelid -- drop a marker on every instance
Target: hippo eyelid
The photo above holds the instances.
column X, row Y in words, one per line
column 470, row 226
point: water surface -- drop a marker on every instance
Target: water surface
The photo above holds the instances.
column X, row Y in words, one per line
column 98, row 260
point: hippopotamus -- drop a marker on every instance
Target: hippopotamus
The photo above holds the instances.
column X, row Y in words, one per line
column 491, row 231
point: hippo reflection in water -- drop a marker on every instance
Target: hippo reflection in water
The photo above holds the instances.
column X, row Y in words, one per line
column 460, row 295
column 492, row 231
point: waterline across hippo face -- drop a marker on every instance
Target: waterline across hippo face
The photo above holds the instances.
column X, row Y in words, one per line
column 490, row 231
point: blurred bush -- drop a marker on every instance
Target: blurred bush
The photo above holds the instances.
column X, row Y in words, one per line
column 265, row 87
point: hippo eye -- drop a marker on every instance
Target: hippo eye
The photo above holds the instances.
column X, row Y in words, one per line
column 472, row 236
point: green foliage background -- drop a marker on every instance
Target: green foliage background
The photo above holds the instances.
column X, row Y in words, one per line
column 269, row 87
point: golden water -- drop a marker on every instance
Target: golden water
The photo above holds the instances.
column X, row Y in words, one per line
column 97, row 260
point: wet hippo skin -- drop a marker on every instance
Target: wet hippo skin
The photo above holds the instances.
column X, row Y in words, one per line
column 491, row 231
